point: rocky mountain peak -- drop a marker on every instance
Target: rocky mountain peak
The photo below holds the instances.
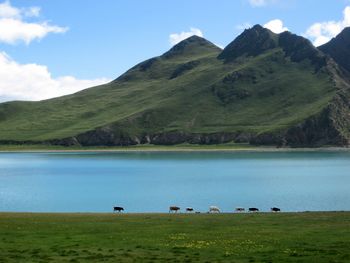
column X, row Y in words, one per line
column 251, row 42
column 339, row 48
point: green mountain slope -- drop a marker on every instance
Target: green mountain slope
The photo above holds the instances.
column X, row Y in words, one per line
column 263, row 88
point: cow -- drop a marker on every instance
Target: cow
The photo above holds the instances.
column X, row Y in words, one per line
column 189, row 209
column 275, row 209
column 214, row 209
column 253, row 209
column 118, row 209
column 239, row 209
column 174, row 209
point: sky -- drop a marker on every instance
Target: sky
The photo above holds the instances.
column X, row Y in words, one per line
column 54, row 48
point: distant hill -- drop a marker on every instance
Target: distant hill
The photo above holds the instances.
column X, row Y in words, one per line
column 263, row 88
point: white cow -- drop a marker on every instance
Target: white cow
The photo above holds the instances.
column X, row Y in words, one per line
column 214, row 209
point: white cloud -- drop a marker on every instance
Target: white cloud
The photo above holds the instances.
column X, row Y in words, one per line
column 32, row 11
column 276, row 26
column 322, row 32
column 178, row 37
column 34, row 82
column 8, row 11
column 260, row 3
column 31, row 81
column 256, row 3
column 14, row 28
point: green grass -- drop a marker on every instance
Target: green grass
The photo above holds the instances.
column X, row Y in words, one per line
column 265, row 237
column 282, row 93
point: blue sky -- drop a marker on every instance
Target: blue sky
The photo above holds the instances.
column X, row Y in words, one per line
column 88, row 42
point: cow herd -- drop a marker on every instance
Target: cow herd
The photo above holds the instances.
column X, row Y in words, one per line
column 212, row 209
column 215, row 209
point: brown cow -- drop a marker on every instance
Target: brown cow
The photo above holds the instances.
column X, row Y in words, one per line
column 174, row 209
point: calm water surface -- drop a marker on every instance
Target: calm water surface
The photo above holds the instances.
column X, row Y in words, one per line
column 150, row 182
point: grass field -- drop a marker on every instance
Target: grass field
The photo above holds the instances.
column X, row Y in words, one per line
column 264, row 237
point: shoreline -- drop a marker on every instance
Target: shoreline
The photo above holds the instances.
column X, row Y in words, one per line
column 189, row 150
column 165, row 148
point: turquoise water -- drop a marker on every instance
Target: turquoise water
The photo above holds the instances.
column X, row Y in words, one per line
column 151, row 182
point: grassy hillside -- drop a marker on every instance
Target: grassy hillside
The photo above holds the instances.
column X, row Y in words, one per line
column 194, row 93
column 266, row 237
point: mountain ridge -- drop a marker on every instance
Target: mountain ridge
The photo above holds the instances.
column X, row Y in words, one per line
column 339, row 48
column 263, row 88
column 251, row 42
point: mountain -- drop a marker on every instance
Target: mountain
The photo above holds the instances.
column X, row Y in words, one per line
column 339, row 48
column 251, row 42
column 263, row 88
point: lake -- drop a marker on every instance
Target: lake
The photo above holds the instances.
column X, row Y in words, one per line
column 152, row 181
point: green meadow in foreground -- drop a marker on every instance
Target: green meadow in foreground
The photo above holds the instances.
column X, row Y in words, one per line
column 264, row 237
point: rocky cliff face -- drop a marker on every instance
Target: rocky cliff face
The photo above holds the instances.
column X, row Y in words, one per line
column 107, row 137
column 330, row 127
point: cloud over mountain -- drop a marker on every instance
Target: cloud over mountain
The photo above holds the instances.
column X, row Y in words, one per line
column 178, row 37
column 35, row 82
column 322, row 32
column 276, row 26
